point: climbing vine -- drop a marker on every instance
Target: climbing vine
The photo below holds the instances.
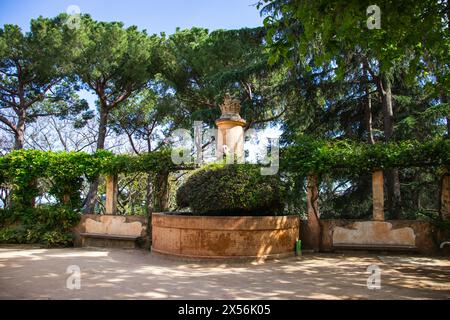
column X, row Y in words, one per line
column 310, row 156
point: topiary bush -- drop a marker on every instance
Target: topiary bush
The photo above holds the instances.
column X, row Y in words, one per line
column 235, row 189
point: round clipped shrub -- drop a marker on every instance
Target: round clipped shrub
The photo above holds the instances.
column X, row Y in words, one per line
column 235, row 189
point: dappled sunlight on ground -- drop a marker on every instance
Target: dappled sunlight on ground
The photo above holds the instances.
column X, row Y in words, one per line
column 137, row 274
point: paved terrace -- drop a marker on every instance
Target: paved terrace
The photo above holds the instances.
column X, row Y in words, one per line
column 35, row 273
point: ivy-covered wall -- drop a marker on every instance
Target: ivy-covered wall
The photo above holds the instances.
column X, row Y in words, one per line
column 51, row 224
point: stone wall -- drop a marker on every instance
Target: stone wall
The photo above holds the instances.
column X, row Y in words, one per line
column 112, row 225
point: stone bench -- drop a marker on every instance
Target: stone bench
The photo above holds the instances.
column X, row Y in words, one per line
column 374, row 247
column 117, row 231
column 374, row 236
column 109, row 240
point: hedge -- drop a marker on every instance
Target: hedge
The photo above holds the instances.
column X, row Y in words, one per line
column 234, row 189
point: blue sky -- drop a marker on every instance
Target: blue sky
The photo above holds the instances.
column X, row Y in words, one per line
column 153, row 15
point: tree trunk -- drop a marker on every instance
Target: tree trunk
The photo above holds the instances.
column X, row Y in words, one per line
column 19, row 135
column 149, row 204
column 368, row 112
column 392, row 176
column 388, row 113
column 313, row 233
column 161, row 194
column 148, row 195
column 91, row 199
column 102, row 128
column 444, row 196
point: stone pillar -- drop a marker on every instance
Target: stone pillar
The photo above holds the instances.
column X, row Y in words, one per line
column 445, row 195
column 378, row 195
column 111, row 194
column 230, row 136
column 312, row 233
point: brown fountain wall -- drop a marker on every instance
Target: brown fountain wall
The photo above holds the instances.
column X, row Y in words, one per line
column 224, row 237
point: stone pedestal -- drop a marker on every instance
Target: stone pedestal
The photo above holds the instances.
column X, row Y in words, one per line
column 230, row 137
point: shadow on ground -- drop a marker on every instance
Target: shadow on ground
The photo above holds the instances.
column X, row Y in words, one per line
column 33, row 273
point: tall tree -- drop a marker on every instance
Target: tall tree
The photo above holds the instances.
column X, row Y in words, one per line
column 147, row 119
column 202, row 67
column 35, row 69
column 323, row 29
column 114, row 63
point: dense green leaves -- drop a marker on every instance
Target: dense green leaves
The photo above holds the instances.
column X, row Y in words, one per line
column 220, row 189
column 323, row 28
column 48, row 225
column 314, row 156
column 35, row 74
column 307, row 156
column 203, row 66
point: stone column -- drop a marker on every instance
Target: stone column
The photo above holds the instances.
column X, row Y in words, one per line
column 230, row 136
column 111, row 194
column 378, row 195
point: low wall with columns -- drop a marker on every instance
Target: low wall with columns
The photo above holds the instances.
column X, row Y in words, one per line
column 326, row 235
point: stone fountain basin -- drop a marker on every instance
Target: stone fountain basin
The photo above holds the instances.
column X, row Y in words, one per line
column 224, row 237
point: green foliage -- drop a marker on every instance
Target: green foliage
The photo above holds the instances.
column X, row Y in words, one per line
column 35, row 74
column 316, row 156
column 56, row 238
column 47, row 225
column 202, row 66
column 15, row 234
column 158, row 161
column 115, row 59
column 416, row 30
column 67, row 171
column 231, row 190
column 115, row 63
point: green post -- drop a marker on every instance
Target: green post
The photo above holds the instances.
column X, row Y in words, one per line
column 298, row 248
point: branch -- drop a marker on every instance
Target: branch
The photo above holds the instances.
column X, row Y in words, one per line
column 376, row 78
column 265, row 120
column 8, row 123
column 130, row 137
column 42, row 94
column 10, row 91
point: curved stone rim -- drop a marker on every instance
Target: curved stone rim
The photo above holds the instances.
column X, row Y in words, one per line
column 226, row 223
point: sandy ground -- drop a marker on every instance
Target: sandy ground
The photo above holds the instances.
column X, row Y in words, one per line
column 34, row 273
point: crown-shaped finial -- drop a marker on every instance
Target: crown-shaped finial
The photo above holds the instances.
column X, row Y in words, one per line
column 230, row 108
